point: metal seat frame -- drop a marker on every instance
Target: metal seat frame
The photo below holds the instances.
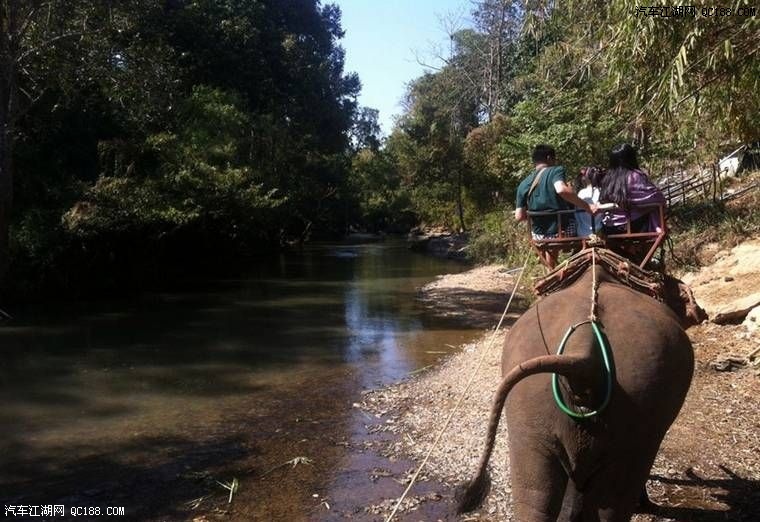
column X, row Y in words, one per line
column 578, row 243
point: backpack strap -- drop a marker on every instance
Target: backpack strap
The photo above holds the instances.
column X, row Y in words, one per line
column 534, row 184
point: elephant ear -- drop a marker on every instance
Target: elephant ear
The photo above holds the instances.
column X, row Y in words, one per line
column 680, row 299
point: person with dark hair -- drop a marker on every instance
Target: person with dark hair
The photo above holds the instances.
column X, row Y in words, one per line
column 587, row 185
column 545, row 189
column 630, row 190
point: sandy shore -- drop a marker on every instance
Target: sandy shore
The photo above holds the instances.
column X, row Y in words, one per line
column 708, row 468
column 477, row 296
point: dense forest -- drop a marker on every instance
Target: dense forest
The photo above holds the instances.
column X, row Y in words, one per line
column 146, row 138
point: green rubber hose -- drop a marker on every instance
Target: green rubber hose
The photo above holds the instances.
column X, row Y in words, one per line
column 607, row 368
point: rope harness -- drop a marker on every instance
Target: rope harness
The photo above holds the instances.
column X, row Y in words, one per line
column 603, row 348
column 645, row 281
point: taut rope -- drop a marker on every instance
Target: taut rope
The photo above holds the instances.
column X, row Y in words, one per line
column 594, row 286
column 461, row 396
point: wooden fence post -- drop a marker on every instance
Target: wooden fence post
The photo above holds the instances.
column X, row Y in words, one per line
column 716, row 183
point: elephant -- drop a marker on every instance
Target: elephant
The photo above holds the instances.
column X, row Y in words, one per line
column 593, row 468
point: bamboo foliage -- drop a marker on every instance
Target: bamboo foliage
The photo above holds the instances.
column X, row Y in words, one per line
column 659, row 70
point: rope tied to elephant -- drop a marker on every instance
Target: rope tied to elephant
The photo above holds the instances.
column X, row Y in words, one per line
column 603, row 350
column 462, row 395
column 594, row 287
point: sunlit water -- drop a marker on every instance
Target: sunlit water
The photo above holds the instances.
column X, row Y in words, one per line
column 86, row 381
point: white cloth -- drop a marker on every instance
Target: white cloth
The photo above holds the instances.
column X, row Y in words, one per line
column 583, row 219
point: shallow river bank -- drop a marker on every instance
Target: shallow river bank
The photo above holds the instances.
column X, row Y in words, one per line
column 152, row 404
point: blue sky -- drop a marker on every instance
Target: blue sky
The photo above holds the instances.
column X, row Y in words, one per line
column 382, row 37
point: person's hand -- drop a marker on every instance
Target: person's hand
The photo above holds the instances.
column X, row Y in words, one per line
column 593, row 208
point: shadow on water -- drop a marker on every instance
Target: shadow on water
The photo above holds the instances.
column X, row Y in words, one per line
column 177, row 477
column 124, row 476
column 122, row 397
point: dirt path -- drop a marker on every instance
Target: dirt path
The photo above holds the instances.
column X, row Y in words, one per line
column 708, row 469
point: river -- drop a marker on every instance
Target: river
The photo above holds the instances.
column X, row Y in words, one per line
column 150, row 404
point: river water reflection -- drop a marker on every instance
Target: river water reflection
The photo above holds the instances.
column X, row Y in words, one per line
column 118, row 390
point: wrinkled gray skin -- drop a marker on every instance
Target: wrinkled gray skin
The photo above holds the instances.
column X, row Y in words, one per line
column 593, row 469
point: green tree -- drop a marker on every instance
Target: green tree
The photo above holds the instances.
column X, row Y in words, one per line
column 661, row 76
column 180, row 124
column 285, row 62
column 383, row 203
column 33, row 34
column 203, row 183
column 428, row 144
column 365, row 130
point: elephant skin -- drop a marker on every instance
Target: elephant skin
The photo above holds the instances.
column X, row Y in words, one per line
column 590, row 469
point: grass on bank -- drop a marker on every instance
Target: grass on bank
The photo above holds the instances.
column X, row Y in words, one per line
column 496, row 238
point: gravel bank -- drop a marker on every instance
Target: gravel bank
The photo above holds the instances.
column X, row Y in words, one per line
column 476, row 296
column 416, row 410
column 708, row 468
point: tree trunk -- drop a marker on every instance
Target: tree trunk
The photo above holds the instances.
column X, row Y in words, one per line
column 460, row 203
column 8, row 90
column 6, row 180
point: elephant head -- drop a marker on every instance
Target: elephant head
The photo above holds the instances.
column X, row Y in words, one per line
column 595, row 468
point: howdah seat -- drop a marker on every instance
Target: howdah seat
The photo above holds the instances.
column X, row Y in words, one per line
column 639, row 247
